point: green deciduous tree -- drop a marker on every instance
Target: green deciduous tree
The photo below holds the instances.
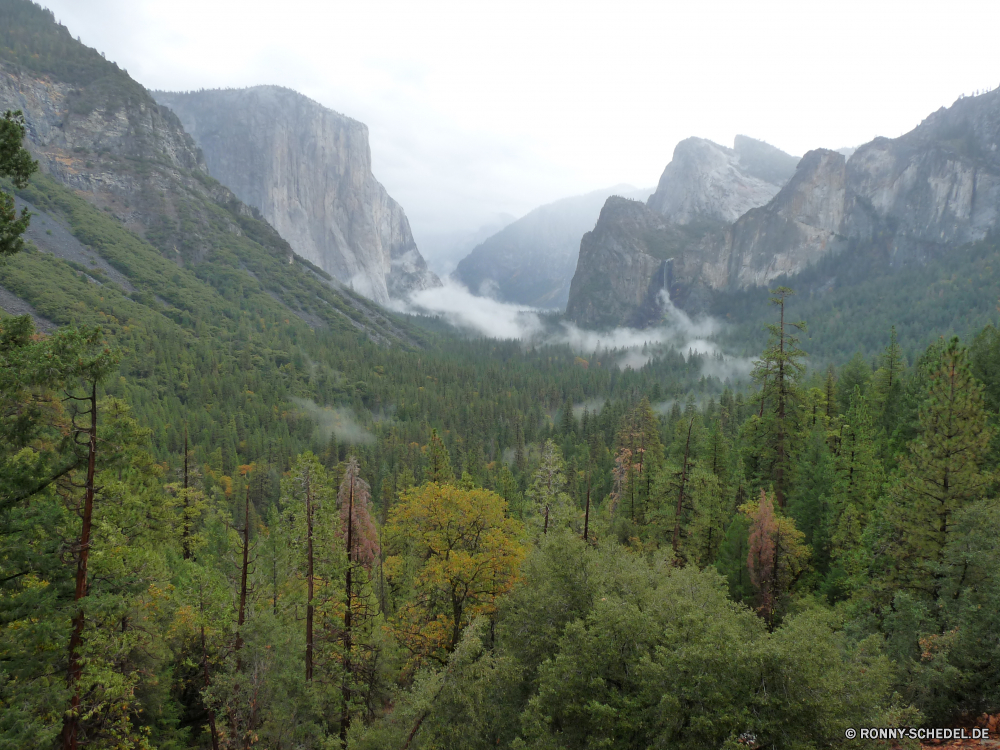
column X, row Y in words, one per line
column 456, row 552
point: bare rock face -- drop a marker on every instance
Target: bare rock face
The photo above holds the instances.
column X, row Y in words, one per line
column 909, row 199
column 935, row 187
column 796, row 228
column 107, row 139
column 706, row 181
column 531, row 261
column 625, row 263
column 307, row 169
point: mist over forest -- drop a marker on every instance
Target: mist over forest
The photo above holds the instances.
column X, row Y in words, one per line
column 712, row 464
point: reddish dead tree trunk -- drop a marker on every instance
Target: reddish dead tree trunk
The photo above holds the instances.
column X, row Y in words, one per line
column 309, row 579
column 586, row 513
column 71, row 724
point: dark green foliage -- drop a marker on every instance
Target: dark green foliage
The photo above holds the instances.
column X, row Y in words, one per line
column 247, row 378
column 17, row 165
column 852, row 299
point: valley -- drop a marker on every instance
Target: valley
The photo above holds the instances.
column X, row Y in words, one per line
column 707, row 465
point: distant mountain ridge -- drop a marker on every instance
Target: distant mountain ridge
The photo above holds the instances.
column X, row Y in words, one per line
column 905, row 199
column 704, row 187
column 531, row 261
column 307, row 169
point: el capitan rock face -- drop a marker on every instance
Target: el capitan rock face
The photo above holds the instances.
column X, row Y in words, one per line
column 307, row 169
column 908, row 198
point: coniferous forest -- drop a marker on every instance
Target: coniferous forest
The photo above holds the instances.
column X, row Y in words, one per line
column 225, row 528
column 488, row 566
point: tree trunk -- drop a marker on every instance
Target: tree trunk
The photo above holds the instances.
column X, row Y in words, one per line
column 779, row 474
column 186, row 525
column 71, row 724
column 211, row 713
column 345, row 713
column 241, row 615
column 586, row 513
column 676, row 543
column 309, row 580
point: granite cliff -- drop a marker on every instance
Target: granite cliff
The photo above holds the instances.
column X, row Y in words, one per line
column 625, row 263
column 531, row 261
column 98, row 133
column 307, row 169
column 638, row 250
column 906, row 199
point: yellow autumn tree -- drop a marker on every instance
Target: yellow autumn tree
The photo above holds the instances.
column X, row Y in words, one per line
column 455, row 552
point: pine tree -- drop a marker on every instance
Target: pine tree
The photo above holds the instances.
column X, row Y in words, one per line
column 361, row 543
column 777, row 373
column 813, row 481
column 830, row 393
column 15, row 163
column 551, row 505
column 888, row 385
column 567, row 425
column 711, row 516
column 945, row 468
column 438, row 461
column 506, row 487
column 858, row 478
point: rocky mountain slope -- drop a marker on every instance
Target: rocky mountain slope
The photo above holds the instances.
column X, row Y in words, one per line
column 625, row 262
column 905, row 200
column 531, row 261
column 708, row 182
column 102, row 141
column 307, row 169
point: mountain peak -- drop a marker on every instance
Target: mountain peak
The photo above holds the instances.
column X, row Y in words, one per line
column 706, row 181
column 307, row 169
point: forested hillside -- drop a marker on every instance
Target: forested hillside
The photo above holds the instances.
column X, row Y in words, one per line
column 241, row 507
column 851, row 299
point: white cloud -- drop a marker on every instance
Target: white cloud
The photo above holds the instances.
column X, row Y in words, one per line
column 337, row 421
column 491, row 318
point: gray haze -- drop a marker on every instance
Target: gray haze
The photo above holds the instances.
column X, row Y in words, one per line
column 532, row 261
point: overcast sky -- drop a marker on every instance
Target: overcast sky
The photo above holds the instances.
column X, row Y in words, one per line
column 480, row 108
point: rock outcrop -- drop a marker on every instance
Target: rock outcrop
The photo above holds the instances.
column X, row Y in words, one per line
column 532, row 260
column 797, row 227
column 106, row 138
column 907, row 199
column 100, row 133
column 708, row 182
column 625, row 263
column 307, row 169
